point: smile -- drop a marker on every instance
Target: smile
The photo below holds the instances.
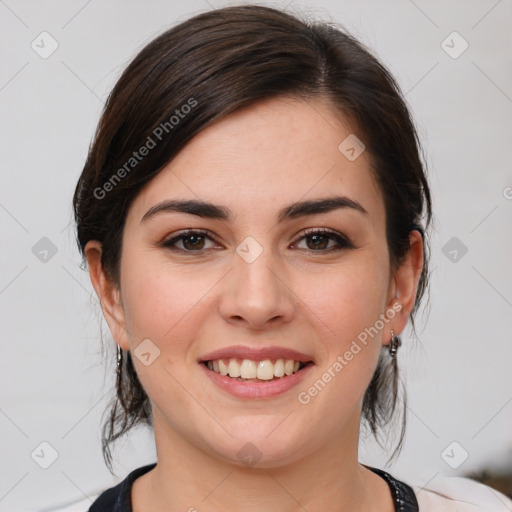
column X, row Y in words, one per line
column 254, row 387
column 255, row 371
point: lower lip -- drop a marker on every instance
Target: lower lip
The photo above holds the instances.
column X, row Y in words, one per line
column 256, row 390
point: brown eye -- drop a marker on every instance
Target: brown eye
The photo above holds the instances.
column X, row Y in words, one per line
column 191, row 241
column 319, row 241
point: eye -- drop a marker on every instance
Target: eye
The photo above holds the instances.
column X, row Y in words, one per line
column 195, row 240
column 191, row 240
column 320, row 239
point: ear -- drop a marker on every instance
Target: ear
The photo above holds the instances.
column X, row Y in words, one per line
column 404, row 283
column 108, row 294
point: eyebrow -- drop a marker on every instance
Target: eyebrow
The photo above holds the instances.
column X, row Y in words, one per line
column 293, row 211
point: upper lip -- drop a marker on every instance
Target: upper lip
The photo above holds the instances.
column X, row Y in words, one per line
column 255, row 354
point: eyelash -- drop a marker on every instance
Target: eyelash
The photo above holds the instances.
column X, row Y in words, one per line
column 343, row 242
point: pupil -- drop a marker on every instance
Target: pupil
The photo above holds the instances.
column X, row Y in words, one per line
column 317, row 237
column 192, row 237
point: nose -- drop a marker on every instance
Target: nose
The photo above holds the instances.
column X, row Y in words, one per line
column 257, row 293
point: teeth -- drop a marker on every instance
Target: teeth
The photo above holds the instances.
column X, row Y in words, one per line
column 248, row 369
column 279, row 368
column 265, row 370
column 223, row 369
column 233, row 368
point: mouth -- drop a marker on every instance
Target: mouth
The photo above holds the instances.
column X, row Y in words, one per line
column 251, row 370
column 256, row 372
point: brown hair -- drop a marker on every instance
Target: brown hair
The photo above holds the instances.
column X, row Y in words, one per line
column 216, row 63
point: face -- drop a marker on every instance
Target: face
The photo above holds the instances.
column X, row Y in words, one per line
column 255, row 283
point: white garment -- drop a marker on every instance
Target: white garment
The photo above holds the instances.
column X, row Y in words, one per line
column 459, row 494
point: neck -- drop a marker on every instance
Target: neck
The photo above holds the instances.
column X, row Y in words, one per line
column 187, row 478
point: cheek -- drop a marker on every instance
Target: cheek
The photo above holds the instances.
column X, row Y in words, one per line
column 165, row 307
column 347, row 305
column 348, row 299
column 161, row 304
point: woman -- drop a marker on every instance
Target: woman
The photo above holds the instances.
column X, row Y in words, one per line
column 253, row 213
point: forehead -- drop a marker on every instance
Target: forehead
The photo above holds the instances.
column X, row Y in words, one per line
column 263, row 157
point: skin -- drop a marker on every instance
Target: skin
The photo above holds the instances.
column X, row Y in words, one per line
column 255, row 162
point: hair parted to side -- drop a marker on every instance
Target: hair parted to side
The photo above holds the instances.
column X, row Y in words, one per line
column 218, row 62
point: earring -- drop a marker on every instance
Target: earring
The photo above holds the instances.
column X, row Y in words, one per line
column 119, row 358
column 119, row 376
column 394, row 344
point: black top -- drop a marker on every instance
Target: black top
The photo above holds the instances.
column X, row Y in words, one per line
column 118, row 498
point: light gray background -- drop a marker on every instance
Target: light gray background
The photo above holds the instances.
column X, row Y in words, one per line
column 55, row 381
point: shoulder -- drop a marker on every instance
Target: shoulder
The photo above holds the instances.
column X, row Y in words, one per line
column 459, row 494
column 113, row 499
column 118, row 498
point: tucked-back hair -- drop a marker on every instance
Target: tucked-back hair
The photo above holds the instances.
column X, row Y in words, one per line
column 216, row 63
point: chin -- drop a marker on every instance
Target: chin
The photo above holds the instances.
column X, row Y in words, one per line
column 261, row 448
